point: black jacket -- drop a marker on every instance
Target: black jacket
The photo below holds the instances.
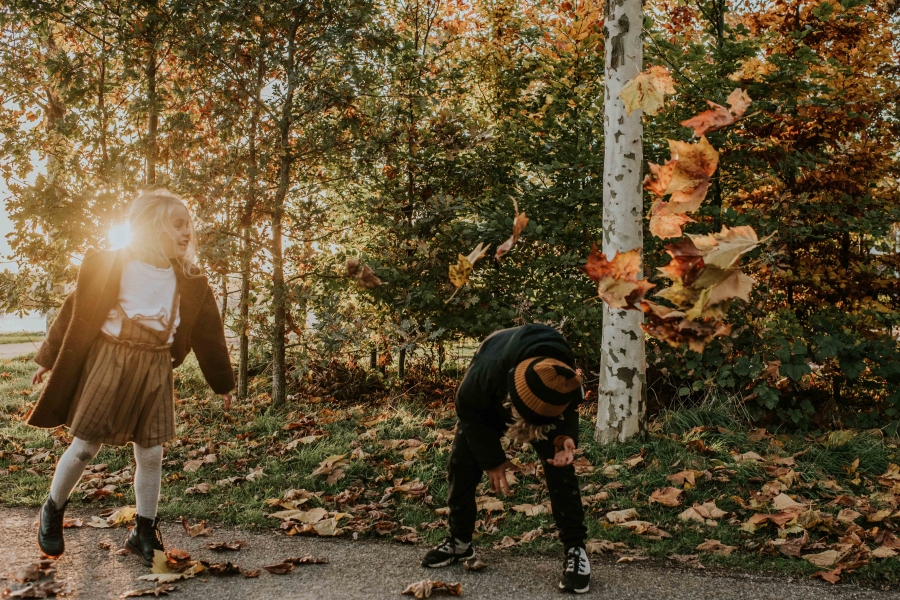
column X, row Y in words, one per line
column 480, row 397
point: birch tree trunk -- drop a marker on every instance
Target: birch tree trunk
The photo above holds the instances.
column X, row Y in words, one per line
column 622, row 394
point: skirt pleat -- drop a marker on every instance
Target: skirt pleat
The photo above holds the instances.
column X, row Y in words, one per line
column 125, row 394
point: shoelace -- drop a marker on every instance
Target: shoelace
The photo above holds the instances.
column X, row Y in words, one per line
column 449, row 545
column 573, row 562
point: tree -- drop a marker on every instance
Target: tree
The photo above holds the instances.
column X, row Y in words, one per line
column 622, row 392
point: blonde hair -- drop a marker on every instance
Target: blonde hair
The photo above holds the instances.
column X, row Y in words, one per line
column 521, row 431
column 152, row 210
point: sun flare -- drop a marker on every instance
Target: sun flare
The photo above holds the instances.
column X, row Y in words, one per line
column 119, row 236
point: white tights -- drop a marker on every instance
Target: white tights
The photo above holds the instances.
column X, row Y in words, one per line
column 147, row 476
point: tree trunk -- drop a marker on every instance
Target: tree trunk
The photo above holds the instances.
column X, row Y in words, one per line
column 622, row 394
column 279, row 391
column 247, row 246
column 373, row 359
column 224, row 308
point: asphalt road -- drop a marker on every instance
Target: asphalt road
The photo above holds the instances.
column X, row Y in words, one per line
column 373, row 570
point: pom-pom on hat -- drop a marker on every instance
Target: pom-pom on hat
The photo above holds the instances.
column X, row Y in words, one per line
column 541, row 388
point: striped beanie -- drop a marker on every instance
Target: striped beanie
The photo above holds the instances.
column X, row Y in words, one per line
column 541, row 388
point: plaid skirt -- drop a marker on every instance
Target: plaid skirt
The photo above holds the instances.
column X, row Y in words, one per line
column 126, row 391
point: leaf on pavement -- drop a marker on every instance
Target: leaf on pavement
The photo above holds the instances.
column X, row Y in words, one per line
column 226, row 546
column 160, row 590
column 426, row 587
column 195, row 530
column 475, row 565
column 282, row 568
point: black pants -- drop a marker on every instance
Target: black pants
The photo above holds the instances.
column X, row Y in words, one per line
column 562, row 483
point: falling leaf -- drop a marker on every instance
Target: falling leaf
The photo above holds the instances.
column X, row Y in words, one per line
column 719, row 116
column 716, row 547
column 617, row 282
column 363, row 273
column 647, row 90
column 459, row 273
column 519, row 224
column 664, row 224
column 667, row 496
column 723, row 249
column 159, row 590
column 424, row 588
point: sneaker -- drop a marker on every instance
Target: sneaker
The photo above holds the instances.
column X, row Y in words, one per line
column 449, row 552
column 577, row 573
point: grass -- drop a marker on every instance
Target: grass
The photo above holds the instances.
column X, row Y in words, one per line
column 21, row 337
column 255, row 435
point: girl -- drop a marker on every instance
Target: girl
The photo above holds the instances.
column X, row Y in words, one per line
column 134, row 316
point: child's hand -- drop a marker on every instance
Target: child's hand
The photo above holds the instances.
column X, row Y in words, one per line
column 565, row 452
column 39, row 376
column 226, row 399
column 497, row 476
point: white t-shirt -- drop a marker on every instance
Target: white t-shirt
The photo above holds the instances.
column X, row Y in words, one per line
column 145, row 293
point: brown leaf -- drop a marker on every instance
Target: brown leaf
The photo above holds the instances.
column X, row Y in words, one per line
column 33, row 571
column 617, row 282
column 364, row 274
column 195, row 530
column 716, row 547
column 220, row 569
column 647, row 90
column 162, row 589
column 689, row 560
column 794, row 547
column 825, row 559
column 475, row 565
column 44, row 589
column 250, row 573
column 519, row 224
column 424, row 588
column 831, row 577
column 599, row 546
column 664, row 224
column 281, row 568
column 667, row 496
column 307, row 560
column 225, row 546
column 719, row 116
column 72, row 523
column 617, row 517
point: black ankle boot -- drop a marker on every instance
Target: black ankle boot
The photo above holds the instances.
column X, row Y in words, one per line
column 50, row 529
column 145, row 539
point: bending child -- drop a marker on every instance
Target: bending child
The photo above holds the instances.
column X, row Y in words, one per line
column 522, row 384
column 135, row 314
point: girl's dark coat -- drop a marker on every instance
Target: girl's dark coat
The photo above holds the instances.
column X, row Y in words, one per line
column 81, row 318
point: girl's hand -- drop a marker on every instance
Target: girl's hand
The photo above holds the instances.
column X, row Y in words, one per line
column 226, row 399
column 39, row 375
column 565, row 452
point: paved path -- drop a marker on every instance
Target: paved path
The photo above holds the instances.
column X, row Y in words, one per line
column 373, row 570
column 14, row 350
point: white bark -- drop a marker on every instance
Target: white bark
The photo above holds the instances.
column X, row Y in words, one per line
column 622, row 393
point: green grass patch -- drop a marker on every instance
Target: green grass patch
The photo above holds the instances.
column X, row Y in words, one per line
column 21, row 337
column 397, row 441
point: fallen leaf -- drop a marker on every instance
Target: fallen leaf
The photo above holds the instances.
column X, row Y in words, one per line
column 716, row 547
column 617, row 517
column 195, row 530
column 225, row 546
column 599, row 546
column 44, row 589
column 531, row 510
column 159, row 590
column 794, row 547
column 424, row 588
column 667, row 496
column 191, row 466
column 689, row 560
column 475, row 565
column 33, row 571
column 783, row 502
column 824, row 559
column 281, row 568
column 200, row 488
column 72, row 523
column 307, row 560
